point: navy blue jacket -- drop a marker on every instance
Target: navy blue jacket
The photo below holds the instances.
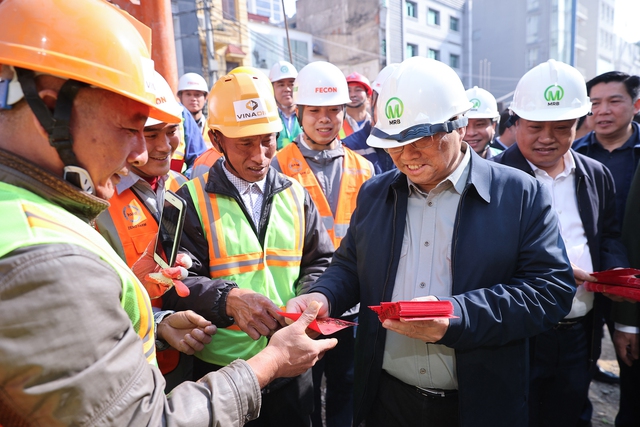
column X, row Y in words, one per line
column 595, row 192
column 509, row 283
column 357, row 141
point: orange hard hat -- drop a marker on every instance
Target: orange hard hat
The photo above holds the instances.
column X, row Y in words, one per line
column 243, row 105
column 90, row 41
column 361, row 80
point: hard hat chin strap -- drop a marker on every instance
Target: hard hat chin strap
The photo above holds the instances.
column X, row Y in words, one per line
column 57, row 124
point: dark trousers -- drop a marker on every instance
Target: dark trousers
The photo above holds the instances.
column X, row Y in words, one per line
column 285, row 402
column 629, row 412
column 400, row 405
column 559, row 376
column 337, row 367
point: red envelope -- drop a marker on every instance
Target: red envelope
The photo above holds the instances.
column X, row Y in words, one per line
column 619, row 277
column 414, row 310
column 326, row 325
column 623, row 291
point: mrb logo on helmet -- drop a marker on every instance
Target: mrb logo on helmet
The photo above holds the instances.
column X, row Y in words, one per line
column 249, row 109
column 394, row 110
column 476, row 104
column 553, row 95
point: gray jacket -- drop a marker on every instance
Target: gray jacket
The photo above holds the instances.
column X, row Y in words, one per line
column 68, row 352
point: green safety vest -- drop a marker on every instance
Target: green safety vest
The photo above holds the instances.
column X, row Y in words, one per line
column 29, row 220
column 235, row 254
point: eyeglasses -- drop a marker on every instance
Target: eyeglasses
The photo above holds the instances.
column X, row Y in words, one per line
column 421, row 144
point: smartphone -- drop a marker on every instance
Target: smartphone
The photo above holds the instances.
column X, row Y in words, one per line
column 169, row 229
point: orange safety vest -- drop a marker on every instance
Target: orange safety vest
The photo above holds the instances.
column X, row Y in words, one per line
column 136, row 227
column 356, row 170
column 346, row 129
column 204, row 162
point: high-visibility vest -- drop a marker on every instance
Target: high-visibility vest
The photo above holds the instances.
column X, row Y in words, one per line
column 204, row 162
column 346, row 129
column 177, row 158
column 235, row 254
column 355, row 171
column 284, row 137
column 174, row 181
column 29, row 220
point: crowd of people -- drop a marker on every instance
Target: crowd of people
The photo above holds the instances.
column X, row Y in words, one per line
column 314, row 192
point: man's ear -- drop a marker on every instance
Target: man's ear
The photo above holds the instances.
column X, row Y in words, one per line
column 636, row 106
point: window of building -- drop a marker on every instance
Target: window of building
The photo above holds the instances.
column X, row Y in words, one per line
column 454, row 24
column 412, row 50
column 533, row 4
column 383, row 48
column 433, row 17
column 532, row 28
column 532, row 58
column 454, row 61
column 229, row 9
column 412, row 9
column 433, row 54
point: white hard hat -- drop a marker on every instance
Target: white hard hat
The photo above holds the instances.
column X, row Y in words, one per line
column 484, row 104
column 165, row 99
column 551, row 91
column 192, row 81
column 382, row 76
column 320, row 84
column 418, row 99
column 282, row 70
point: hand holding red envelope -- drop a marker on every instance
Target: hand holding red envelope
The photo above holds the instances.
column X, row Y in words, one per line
column 325, row 326
column 623, row 282
column 414, row 310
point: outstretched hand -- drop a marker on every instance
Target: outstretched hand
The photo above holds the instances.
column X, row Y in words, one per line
column 290, row 351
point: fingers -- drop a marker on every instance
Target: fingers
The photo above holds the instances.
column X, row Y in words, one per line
column 309, row 315
column 184, row 260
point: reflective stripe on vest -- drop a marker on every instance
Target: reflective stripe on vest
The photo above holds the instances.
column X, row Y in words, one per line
column 355, row 171
column 235, row 254
column 30, row 220
column 204, row 162
column 174, row 181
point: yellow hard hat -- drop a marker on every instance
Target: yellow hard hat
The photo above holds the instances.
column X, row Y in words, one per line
column 90, row 41
column 243, row 105
column 252, row 71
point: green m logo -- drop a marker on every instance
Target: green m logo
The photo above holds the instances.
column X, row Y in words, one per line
column 394, row 108
column 476, row 103
column 554, row 93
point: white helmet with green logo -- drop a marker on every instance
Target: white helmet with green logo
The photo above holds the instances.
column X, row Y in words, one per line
column 484, row 104
column 551, row 91
column 421, row 98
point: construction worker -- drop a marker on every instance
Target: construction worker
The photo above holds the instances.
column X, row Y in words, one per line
column 416, row 233
column 506, row 133
column 357, row 141
column 358, row 107
column 77, row 337
column 282, row 76
column 333, row 175
column 192, row 93
column 256, row 238
column 131, row 222
column 483, row 119
column 547, row 103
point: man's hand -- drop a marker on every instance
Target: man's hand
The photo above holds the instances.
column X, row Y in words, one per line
column 581, row 276
column 157, row 280
column 300, row 303
column 254, row 313
column 290, row 351
column 186, row 331
column 429, row 331
column 626, row 346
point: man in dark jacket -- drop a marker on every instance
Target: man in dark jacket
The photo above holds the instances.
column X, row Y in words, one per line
column 583, row 195
column 417, row 233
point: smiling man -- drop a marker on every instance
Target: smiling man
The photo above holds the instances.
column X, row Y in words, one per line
column 547, row 103
column 416, row 233
column 483, row 119
column 282, row 76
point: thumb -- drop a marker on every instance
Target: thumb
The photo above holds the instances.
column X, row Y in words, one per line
column 309, row 314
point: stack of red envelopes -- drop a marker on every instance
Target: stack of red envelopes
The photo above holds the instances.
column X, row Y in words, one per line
column 414, row 310
column 624, row 282
column 325, row 325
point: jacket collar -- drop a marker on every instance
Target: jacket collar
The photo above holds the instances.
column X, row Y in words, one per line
column 18, row 171
column 218, row 183
column 590, row 139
